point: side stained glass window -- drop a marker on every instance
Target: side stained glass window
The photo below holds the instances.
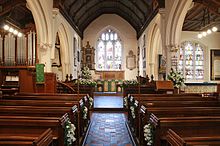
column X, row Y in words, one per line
column 191, row 61
column 109, row 51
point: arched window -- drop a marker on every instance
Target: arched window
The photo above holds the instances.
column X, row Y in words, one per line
column 191, row 60
column 109, row 51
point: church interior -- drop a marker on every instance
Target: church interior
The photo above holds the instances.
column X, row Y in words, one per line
column 109, row 72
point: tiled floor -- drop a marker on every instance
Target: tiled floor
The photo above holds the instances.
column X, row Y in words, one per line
column 108, row 128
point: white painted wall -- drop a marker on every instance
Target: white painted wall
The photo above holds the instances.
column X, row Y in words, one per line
column 153, row 45
column 125, row 31
column 211, row 42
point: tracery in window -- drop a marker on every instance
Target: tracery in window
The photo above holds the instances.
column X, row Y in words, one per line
column 191, row 60
column 109, row 51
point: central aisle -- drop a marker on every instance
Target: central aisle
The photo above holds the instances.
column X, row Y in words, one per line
column 108, row 128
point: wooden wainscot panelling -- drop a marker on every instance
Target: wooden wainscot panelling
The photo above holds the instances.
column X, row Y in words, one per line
column 109, row 75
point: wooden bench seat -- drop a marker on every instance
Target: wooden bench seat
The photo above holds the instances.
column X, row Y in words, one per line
column 25, row 124
column 52, row 103
column 49, row 108
column 162, row 124
column 45, row 97
column 57, row 97
column 184, row 111
column 26, row 139
column 200, row 137
column 181, row 103
column 172, row 97
column 170, row 106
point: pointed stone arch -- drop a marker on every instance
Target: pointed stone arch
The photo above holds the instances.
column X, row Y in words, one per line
column 40, row 20
column 175, row 21
column 64, row 49
column 154, row 45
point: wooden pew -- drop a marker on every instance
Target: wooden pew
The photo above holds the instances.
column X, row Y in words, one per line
column 34, row 125
column 18, row 139
column 50, row 108
column 50, row 96
column 66, row 97
column 173, row 106
column 209, row 124
column 171, row 97
column 184, row 111
column 181, row 103
column 176, row 112
column 82, row 122
column 201, row 138
column 37, row 111
column 152, row 104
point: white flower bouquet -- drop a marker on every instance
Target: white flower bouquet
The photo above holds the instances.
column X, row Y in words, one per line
column 69, row 131
column 148, row 134
column 125, row 101
column 177, row 78
column 90, row 101
column 85, row 112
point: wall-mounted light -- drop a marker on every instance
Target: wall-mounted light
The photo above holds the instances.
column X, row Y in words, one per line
column 214, row 29
column 12, row 30
column 206, row 22
column 209, row 31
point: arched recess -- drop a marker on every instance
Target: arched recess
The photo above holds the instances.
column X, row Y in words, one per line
column 155, row 44
column 64, row 50
column 175, row 21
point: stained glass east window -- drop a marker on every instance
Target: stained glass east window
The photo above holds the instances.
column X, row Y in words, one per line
column 109, row 51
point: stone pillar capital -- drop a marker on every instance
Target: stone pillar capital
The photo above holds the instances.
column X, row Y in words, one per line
column 172, row 47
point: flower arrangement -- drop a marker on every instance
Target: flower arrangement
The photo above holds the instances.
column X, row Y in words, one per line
column 127, row 83
column 86, row 74
column 87, row 82
column 90, row 101
column 132, row 108
column 148, row 134
column 177, row 78
column 125, row 101
column 85, row 112
column 69, row 133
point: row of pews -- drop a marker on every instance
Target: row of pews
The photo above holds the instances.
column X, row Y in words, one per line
column 174, row 119
column 44, row 119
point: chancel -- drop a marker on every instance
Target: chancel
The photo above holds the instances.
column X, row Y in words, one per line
column 109, row 73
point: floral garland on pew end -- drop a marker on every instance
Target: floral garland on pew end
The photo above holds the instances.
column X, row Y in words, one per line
column 85, row 112
column 132, row 108
column 125, row 101
column 148, row 134
column 90, row 101
column 69, row 133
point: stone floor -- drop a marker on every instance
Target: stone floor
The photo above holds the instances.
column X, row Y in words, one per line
column 108, row 128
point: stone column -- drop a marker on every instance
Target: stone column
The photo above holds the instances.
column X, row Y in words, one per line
column 44, row 56
column 172, row 57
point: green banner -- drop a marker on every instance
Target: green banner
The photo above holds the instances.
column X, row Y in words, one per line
column 39, row 73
